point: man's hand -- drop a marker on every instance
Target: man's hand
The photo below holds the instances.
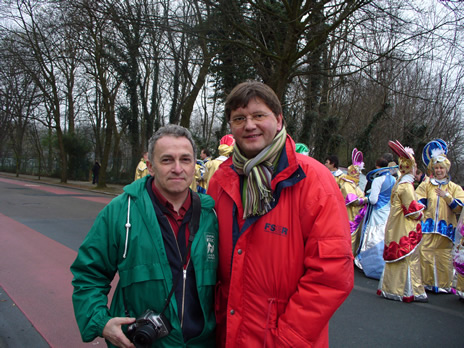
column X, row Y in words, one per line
column 113, row 332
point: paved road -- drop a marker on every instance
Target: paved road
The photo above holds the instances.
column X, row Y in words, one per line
column 42, row 226
column 367, row 320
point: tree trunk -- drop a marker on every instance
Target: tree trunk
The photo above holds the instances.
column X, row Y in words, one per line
column 190, row 101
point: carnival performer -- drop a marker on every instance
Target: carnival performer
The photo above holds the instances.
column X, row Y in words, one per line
column 142, row 168
column 401, row 278
column 225, row 148
column 458, row 258
column 354, row 197
column 197, row 184
column 443, row 200
column 370, row 254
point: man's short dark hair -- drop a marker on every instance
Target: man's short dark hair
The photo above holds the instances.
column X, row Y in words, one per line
column 333, row 160
column 172, row 130
column 241, row 95
column 206, row 152
column 381, row 162
column 388, row 157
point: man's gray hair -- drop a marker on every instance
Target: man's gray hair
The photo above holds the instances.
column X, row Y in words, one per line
column 172, row 130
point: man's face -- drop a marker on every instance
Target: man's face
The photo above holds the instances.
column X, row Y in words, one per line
column 173, row 166
column 329, row 165
column 252, row 137
column 202, row 155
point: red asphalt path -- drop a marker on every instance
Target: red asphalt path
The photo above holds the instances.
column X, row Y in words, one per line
column 34, row 272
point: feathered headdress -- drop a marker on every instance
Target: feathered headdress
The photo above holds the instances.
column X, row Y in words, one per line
column 357, row 160
column 405, row 156
column 434, row 152
column 226, row 145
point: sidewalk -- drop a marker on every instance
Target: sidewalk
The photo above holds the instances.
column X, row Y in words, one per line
column 111, row 189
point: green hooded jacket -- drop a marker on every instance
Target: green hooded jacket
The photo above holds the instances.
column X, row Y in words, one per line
column 138, row 255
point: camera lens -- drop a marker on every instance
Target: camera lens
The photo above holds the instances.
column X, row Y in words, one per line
column 145, row 336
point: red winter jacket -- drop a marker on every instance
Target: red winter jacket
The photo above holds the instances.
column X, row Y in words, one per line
column 283, row 275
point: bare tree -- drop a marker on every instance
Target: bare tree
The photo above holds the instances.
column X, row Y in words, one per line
column 372, row 81
column 93, row 26
column 37, row 48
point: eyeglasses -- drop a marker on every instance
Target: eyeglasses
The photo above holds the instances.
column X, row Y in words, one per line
column 238, row 121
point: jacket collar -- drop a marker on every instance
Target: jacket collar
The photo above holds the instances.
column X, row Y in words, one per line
column 136, row 188
column 437, row 182
column 288, row 172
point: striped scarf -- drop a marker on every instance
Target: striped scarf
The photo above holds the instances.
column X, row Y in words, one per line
column 258, row 175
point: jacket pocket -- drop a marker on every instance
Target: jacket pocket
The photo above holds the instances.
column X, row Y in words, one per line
column 140, row 273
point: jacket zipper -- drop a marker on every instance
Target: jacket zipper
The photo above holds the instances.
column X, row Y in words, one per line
column 183, row 293
column 184, row 270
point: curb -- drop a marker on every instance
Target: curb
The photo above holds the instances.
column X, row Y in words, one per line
column 46, row 181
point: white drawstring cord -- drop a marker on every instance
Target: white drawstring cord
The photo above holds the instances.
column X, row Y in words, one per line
column 128, row 226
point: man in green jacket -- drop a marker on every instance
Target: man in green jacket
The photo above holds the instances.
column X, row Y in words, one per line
column 147, row 235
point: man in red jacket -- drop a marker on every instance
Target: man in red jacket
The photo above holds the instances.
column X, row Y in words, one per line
column 285, row 261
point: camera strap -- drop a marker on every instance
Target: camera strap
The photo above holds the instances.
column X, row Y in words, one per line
column 193, row 228
column 194, row 224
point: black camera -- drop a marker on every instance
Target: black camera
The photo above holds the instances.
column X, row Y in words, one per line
column 148, row 328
